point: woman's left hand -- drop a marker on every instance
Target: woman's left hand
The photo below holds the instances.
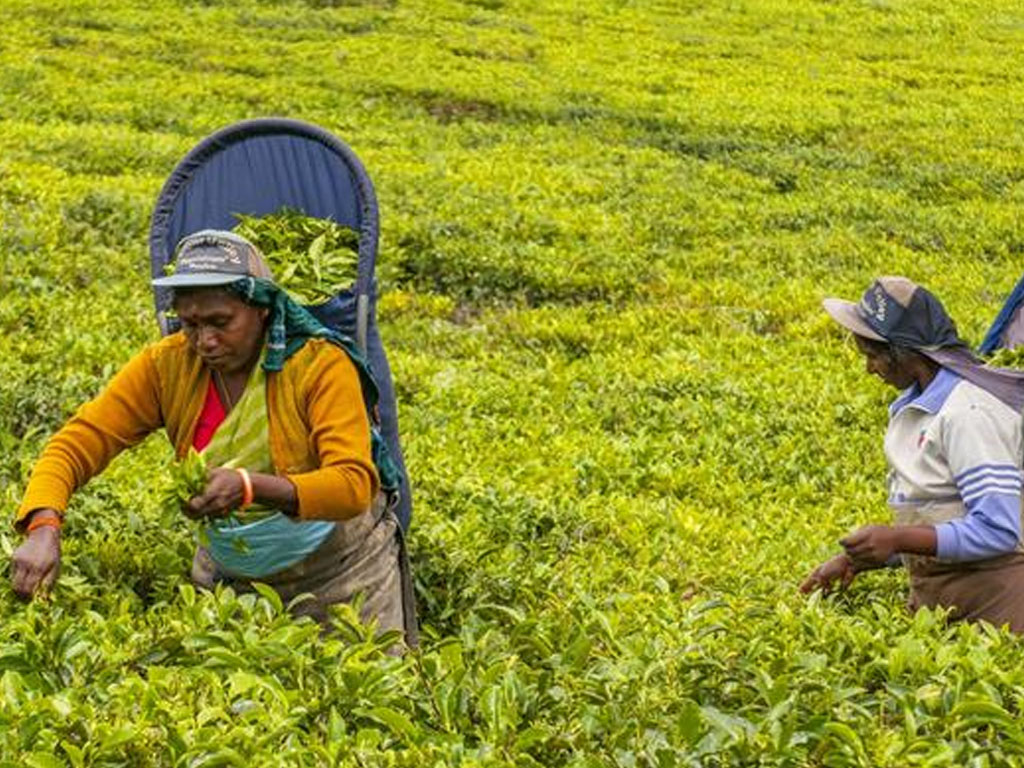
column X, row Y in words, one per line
column 871, row 546
column 223, row 493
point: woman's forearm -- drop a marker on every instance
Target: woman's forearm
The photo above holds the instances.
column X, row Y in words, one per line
column 276, row 492
column 125, row 412
column 225, row 492
column 915, row 539
column 873, row 545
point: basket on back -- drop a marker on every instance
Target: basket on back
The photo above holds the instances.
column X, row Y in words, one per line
column 258, row 167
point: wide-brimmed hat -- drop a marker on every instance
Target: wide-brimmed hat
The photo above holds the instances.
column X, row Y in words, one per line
column 214, row 257
column 898, row 311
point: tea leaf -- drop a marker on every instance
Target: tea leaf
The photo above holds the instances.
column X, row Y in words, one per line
column 313, row 259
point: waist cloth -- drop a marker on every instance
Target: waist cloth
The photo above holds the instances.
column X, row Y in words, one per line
column 365, row 554
column 991, row 590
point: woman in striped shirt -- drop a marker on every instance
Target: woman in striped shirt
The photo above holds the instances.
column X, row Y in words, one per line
column 954, row 447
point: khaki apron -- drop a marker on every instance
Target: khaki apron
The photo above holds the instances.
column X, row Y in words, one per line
column 363, row 555
column 991, row 590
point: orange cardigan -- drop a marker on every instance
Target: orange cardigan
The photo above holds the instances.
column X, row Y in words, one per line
column 319, row 432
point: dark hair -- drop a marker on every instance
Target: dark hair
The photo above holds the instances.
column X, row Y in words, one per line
column 899, row 354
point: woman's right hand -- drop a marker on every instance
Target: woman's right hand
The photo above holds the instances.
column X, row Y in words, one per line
column 35, row 565
column 223, row 493
column 840, row 568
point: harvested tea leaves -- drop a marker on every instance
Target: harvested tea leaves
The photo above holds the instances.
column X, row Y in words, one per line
column 313, row 259
column 1007, row 358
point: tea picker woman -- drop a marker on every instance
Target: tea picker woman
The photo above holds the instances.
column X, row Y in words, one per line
column 954, row 447
column 278, row 405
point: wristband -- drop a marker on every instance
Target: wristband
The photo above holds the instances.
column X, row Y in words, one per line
column 39, row 522
column 247, row 494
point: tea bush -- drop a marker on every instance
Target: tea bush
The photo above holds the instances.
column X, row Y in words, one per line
column 606, row 230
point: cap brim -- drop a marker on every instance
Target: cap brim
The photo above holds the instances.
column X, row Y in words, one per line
column 196, row 279
column 845, row 313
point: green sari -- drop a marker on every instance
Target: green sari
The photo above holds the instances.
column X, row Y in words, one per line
column 259, row 541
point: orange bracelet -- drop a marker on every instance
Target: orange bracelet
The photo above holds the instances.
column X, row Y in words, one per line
column 39, row 522
column 247, row 494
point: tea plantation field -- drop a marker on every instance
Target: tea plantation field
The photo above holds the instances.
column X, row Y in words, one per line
column 607, row 226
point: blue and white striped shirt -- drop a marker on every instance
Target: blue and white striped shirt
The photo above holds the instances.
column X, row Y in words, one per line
column 956, row 442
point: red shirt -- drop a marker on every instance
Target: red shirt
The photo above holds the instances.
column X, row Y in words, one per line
column 210, row 417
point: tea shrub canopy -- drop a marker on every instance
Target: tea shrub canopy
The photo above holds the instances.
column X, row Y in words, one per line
column 607, row 227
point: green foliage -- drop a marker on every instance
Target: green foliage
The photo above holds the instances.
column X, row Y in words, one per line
column 1007, row 358
column 188, row 479
column 606, row 231
column 313, row 259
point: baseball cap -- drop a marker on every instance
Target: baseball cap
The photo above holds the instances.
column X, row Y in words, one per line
column 899, row 311
column 214, row 257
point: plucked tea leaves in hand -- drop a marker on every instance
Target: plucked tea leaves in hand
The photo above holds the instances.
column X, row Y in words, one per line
column 188, row 479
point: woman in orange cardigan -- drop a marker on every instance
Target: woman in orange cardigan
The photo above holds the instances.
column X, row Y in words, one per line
column 276, row 403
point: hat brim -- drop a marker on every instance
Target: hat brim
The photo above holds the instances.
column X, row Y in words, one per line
column 196, row 279
column 845, row 313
